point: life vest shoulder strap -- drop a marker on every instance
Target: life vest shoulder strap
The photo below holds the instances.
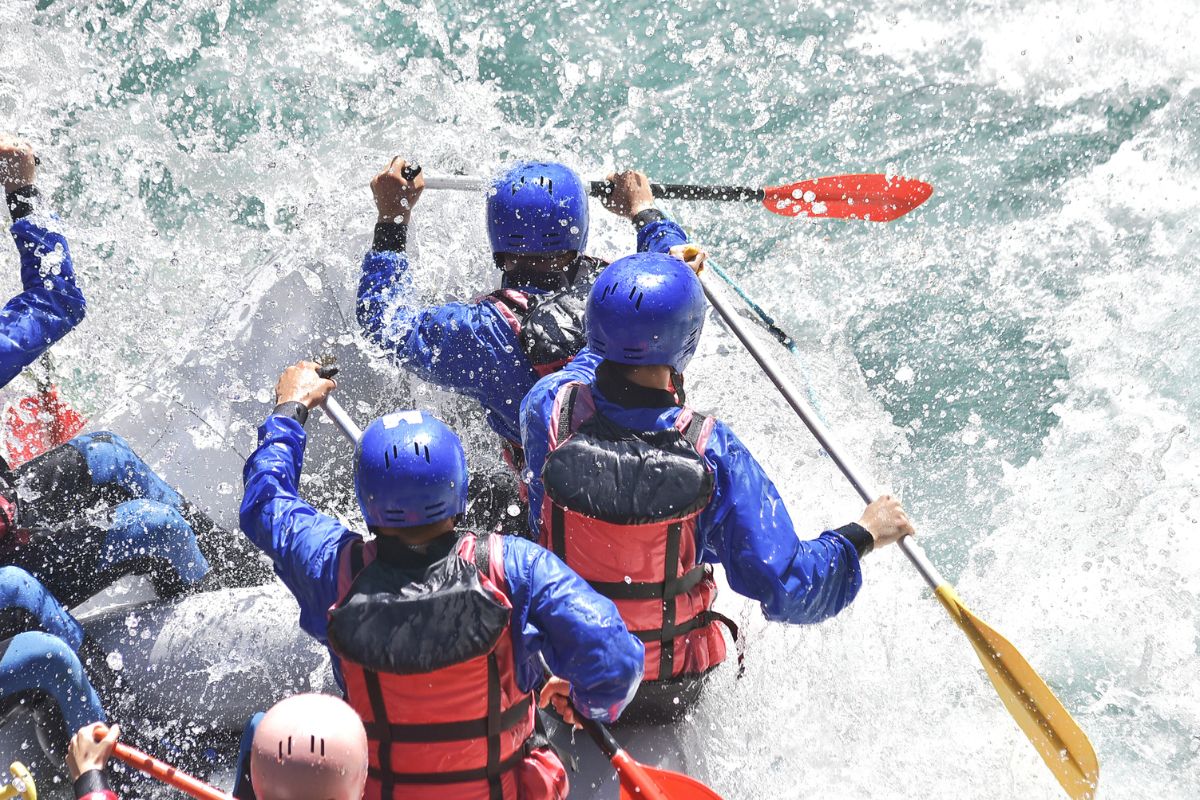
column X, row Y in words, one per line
column 573, row 404
column 511, row 304
column 695, row 427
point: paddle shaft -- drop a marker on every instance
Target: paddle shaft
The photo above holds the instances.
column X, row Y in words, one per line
column 668, row 191
column 790, row 393
column 346, row 425
column 162, row 771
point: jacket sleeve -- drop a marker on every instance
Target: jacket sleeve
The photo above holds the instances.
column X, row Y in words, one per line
column 660, row 236
column 578, row 632
column 303, row 544
column 535, row 422
column 50, row 304
column 465, row 347
column 748, row 529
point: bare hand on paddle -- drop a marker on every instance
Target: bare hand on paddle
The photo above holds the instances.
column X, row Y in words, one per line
column 692, row 255
column 395, row 195
column 630, row 195
column 886, row 521
column 85, row 754
column 18, row 164
column 557, row 693
column 300, row 383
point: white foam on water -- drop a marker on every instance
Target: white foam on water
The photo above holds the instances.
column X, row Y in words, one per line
column 1087, row 560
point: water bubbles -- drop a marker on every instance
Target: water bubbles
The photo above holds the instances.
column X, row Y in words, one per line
column 628, row 579
column 115, row 662
column 904, row 374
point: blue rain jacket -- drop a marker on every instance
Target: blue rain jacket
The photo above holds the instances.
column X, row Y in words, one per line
column 555, row 613
column 467, row 348
column 745, row 527
column 50, row 303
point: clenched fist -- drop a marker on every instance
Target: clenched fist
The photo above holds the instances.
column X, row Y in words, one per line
column 18, row 164
column 395, row 195
column 886, row 521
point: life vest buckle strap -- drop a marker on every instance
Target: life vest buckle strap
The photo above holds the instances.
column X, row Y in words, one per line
column 443, row 778
column 642, row 590
column 448, row 731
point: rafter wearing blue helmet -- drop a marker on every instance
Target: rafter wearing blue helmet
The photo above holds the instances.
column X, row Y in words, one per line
column 431, row 628
column 641, row 494
column 495, row 347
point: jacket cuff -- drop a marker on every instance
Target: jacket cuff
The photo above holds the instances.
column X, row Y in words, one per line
column 390, row 237
column 292, row 409
column 93, row 785
column 20, row 201
column 644, row 218
column 858, row 536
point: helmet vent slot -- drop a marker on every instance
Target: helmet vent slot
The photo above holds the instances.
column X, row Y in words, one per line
column 637, row 306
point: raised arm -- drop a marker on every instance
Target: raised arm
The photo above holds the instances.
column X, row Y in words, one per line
column 303, row 544
column 50, row 303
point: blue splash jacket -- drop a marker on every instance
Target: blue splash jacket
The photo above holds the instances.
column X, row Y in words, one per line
column 555, row 613
column 467, row 348
column 745, row 527
column 50, row 303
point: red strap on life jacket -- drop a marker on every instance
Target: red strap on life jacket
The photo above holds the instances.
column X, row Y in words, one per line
column 492, row 727
column 575, row 404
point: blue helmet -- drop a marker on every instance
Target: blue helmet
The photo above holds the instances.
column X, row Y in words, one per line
column 647, row 308
column 538, row 207
column 409, row 469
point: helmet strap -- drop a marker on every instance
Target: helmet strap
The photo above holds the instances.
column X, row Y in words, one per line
column 677, row 385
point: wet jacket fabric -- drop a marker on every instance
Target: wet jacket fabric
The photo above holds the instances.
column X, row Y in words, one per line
column 745, row 527
column 555, row 613
column 468, row 348
column 49, row 305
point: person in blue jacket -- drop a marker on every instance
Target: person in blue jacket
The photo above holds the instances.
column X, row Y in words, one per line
column 424, row 622
column 615, row 453
column 79, row 516
column 89, row 511
column 41, row 646
column 492, row 349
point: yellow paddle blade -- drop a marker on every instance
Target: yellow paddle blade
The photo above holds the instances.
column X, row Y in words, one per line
column 22, row 784
column 1061, row 743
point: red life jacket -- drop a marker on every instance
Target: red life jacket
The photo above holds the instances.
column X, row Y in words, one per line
column 620, row 508
column 549, row 328
column 428, row 665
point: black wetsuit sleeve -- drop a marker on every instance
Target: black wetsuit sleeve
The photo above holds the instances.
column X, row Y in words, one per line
column 293, row 409
column 93, row 783
column 859, row 536
column 644, row 218
column 390, row 237
column 20, row 201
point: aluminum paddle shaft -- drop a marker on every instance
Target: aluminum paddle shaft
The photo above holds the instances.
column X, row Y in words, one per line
column 809, row 417
column 1058, row 739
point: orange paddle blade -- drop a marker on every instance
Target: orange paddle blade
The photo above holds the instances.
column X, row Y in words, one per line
column 875, row 198
column 639, row 782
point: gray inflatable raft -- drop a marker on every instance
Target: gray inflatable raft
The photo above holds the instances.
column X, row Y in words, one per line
column 191, row 671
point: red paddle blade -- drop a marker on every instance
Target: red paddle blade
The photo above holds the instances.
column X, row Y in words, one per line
column 38, row 423
column 877, row 198
column 639, row 782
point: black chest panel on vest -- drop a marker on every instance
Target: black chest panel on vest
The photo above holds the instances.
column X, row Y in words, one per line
column 552, row 331
column 410, row 621
column 627, row 477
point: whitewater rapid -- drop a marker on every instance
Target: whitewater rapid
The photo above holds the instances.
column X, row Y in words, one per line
column 1017, row 358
